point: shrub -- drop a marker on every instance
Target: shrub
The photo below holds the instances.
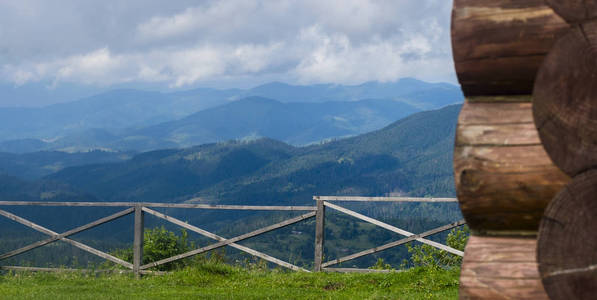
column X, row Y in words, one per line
column 381, row 265
column 429, row 256
column 159, row 243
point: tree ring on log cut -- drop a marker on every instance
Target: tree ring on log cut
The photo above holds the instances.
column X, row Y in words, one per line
column 574, row 11
column 565, row 100
column 567, row 242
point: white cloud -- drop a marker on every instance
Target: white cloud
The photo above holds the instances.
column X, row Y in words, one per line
column 308, row 41
column 336, row 59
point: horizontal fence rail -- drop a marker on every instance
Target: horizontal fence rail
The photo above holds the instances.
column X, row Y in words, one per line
column 139, row 209
column 324, row 201
column 382, row 199
column 159, row 205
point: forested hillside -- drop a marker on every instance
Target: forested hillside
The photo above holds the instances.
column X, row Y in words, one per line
column 31, row 166
column 411, row 156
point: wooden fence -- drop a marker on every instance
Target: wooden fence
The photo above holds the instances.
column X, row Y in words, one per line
column 325, row 201
column 139, row 209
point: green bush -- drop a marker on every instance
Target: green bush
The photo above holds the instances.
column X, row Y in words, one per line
column 159, row 243
column 429, row 256
column 381, row 265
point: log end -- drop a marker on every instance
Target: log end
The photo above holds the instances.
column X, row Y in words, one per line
column 574, row 11
column 564, row 100
column 567, row 241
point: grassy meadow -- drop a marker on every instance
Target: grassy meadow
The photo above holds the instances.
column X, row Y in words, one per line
column 221, row 281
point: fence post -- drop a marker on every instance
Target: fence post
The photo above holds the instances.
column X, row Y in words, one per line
column 319, row 234
column 138, row 240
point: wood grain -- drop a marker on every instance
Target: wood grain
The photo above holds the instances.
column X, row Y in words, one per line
column 565, row 100
column 138, row 243
column 498, row 45
column 319, row 236
column 574, row 11
column 66, row 240
column 383, row 199
column 567, row 245
column 504, row 179
column 355, row 270
column 153, row 204
column 500, row 268
column 63, row 235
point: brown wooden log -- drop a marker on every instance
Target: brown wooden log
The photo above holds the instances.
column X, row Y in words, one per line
column 565, row 100
column 498, row 45
column 500, row 268
column 574, row 11
column 567, row 247
column 504, row 179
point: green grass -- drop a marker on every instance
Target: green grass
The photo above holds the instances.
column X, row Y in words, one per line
column 219, row 281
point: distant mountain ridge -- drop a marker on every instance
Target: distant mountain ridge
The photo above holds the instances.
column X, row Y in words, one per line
column 423, row 94
column 411, row 157
column 294, row 123
column 248, row 118
column 117, row 113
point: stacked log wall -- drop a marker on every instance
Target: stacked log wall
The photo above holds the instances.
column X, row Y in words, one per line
column 565, row 113
column 504, row 178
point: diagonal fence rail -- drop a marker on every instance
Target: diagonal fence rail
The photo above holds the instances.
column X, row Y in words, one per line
column 139, row 209
column 325, row 201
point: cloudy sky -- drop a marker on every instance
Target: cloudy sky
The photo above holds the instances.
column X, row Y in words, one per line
column 224, row 43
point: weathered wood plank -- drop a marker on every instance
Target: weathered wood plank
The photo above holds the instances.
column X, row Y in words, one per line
column 319, row 235
column 392, row 244
column 393, row 228
column 219, row 238
column 37, row 269
column 138, row 233
column 161, row 205
column 488, row 113
column 521, row 134
column 514, row 99
column 505, row 188
column 383, row 199
column 355, row 270
column 99, row 253
column 519, row 250
column 492, row 38
column 67, row 240
column 65, row 234
column 231, row 240
column 524, row 270
column 500, row 268
column 503, row 176
column 269, row 258
column 501, row 288
column 58, row 270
